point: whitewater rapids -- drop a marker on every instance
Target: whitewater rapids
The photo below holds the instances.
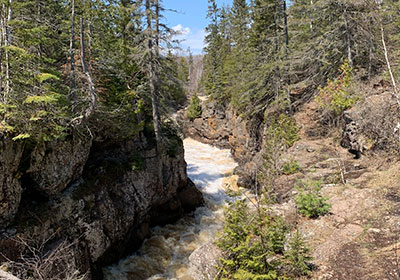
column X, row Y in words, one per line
column 165, row 254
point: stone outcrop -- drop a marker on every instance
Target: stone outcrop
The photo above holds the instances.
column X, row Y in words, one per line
column 10, row 186
column 226, row 129
column 100, row 197
column 64, row 158
column 350, row 136
column 203, row 262
column 371, row 124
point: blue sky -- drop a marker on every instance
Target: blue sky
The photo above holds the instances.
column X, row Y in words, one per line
column 190, row 20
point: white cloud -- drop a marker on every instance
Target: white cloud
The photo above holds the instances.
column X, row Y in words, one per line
column 189, row 38
column 181, row 30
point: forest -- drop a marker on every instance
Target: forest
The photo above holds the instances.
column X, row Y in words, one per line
column 97, row 64
column 62, row 62
column 104, row 121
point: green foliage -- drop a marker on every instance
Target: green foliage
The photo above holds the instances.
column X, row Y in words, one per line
column 298, row 256
column 173, row 143
column 45, row 101
column 260, row 50
column 291, row 167
column 309, row 200
column 251, row 240
column 136, row 162
column 285, row 128
column 194, row 110
column 282, row 132
column 47, row 76
column 336, row 96
column 21, row 137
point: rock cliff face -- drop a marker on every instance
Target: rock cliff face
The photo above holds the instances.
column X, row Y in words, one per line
column 11, row 190
column 223, row 127
column 99, row 198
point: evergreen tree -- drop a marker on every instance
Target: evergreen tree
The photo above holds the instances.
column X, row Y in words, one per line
column 218, row 40
column 298, row 256
column 194, row 110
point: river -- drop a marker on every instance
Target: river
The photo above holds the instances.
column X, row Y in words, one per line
column 165, row 254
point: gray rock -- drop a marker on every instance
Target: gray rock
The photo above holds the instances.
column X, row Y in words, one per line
column 350, row 136
column 371, row 124
column 224, row 128
column 109, row 208
column 10, row 186
column 53, row 165
column 204, row 261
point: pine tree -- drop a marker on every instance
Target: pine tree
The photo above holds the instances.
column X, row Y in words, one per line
column 298, row 256
column 194, row 110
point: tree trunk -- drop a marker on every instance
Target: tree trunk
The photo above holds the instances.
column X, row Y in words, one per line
column 395, row 92
column 152, row 70
column 286, row 29
column 2, row 41
column 370, row 61
column 7, row 43
column 276, row 25
column 348, row 41
column 388, row 64
column 311, row 21
column 287, row 56
column 39, row 14
column 92, row 92
column 72, row 56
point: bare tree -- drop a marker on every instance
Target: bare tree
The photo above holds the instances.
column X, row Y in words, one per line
column 92, row 91
column 44, row 262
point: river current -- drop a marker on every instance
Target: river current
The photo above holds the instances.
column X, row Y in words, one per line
column 165, row 254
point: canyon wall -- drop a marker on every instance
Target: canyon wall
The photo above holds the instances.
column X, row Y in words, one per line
column 97, row 199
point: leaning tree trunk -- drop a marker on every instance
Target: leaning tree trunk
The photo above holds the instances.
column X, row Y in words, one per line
column 310, row 16
column 395, row 93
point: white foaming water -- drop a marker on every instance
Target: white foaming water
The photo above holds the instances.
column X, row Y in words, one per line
column 165, row 254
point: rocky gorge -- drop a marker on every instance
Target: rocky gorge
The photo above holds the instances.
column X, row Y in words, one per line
column 86, row 202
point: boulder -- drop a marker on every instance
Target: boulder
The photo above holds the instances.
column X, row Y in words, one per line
column 203, row 262
column 190, row 197
column 371, row 124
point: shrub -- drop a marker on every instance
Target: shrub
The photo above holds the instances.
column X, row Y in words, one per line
column 336, row 96
column 251, row 241
column 298, row 256
column 291, row 167
column 281, row 134
column 194, row 110
column 309, row 201
column 285, row 129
